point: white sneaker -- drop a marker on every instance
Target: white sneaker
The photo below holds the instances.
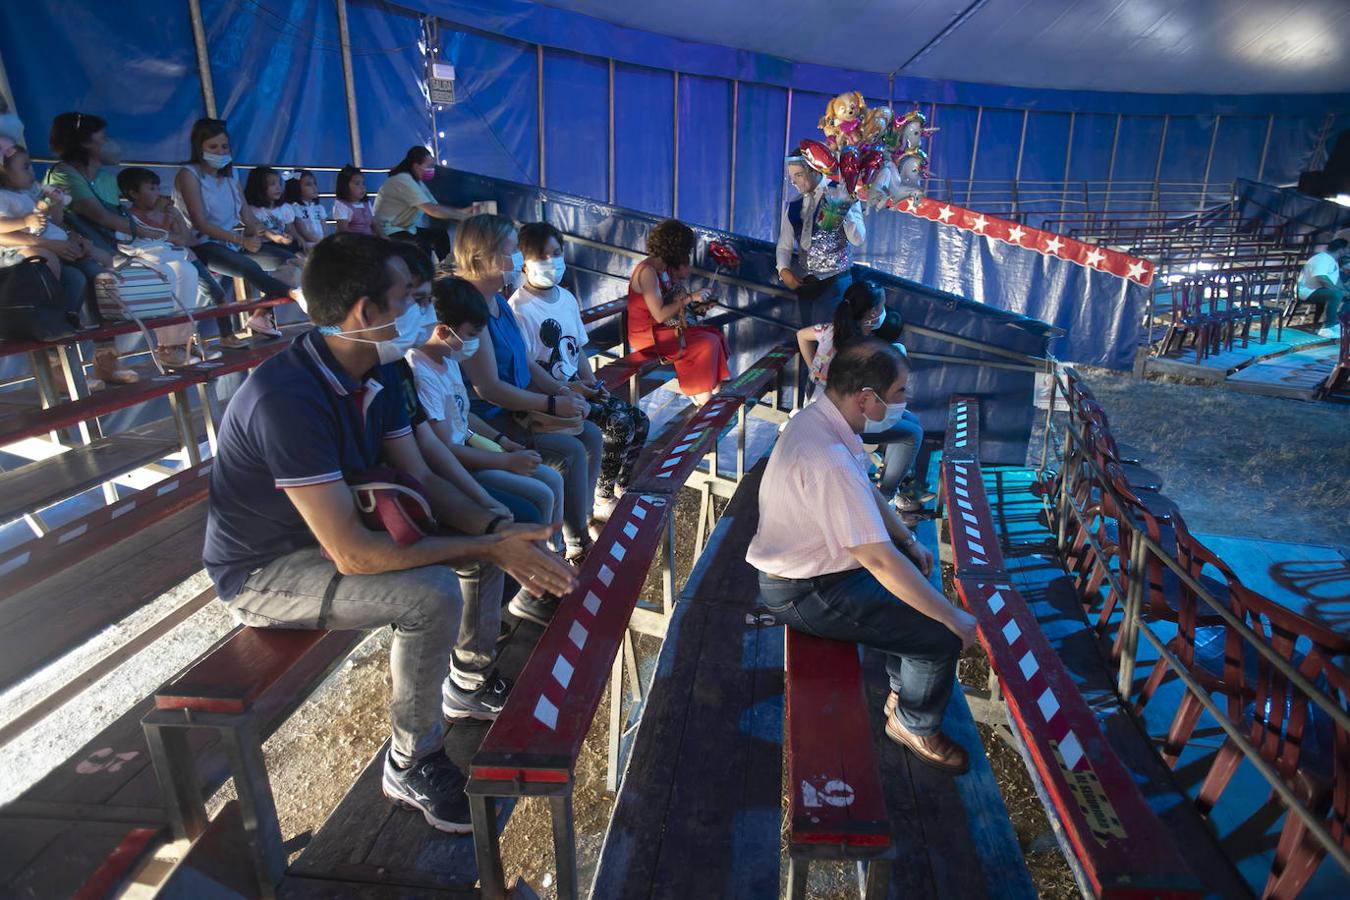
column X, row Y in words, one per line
column 1331, row 331
column 261, row 323
column 602, row 507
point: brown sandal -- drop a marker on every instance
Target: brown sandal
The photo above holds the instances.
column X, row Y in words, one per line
column 936, row 750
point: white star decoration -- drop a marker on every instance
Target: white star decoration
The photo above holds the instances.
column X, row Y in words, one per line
column 1136, row 270
column 1015, row 234
column 945, row 214
column 1053, row 245
column 1094, row 257
column 980, row 223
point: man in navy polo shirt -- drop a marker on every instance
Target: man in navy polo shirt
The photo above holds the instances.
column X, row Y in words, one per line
column 285, row 545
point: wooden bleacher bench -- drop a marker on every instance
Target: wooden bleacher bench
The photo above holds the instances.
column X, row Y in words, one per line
column 533, row 746
column 700, row 807
column 1116, row 837
column 72, row 583
column 40, row 484
column 604, row 310
column 222, row 692
column 836, row 805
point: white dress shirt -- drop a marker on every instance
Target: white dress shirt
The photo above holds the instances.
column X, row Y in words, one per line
column 816, row 500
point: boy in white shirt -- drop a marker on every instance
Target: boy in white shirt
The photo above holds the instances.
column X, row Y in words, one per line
column 496, row 462
column 550, row 322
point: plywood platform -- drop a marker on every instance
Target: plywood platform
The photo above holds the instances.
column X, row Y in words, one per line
column 1291, row 367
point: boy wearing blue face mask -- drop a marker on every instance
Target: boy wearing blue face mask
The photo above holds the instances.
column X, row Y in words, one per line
column 550, row 322
column 498, row 464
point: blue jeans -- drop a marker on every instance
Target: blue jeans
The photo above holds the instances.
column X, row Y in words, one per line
column 819, row 299
column 521, row 509
column 901, row 445
column 920, row 652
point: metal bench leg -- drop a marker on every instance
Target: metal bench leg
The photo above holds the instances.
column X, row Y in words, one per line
column 798, row 870
column 259, row 809
column 187, row 434
column 615, row 723
column 668, row 563
column 487, row 847
column 210, row 404
column 173, row 762
column 564, row 845
column 878, row 879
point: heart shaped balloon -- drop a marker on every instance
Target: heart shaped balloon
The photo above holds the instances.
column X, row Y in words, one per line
column 848, row 169
column 869, row 164
column 819, row 157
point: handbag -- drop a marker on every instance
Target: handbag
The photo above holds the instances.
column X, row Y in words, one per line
column 391, row 501
column 32, row 305
column 135, row 292
column 544, row 423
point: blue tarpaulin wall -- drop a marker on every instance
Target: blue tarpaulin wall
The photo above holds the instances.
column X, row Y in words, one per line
column 699, row 130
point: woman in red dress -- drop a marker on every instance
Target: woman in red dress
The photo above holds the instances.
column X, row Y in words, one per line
column 700, row 358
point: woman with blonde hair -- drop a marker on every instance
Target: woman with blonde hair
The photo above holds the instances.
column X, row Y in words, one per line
column 515, row 394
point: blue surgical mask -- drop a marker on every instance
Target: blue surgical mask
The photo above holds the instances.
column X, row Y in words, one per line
column 893, row 413
column 217, row 161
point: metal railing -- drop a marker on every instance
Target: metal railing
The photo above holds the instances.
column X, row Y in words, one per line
column 1076, row 464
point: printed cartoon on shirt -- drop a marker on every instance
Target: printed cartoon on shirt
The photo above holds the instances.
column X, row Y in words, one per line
column 563, row 350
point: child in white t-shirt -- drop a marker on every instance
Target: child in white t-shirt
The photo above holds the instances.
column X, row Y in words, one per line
column 29, row 213
column 555, row 337
column 302, row 195
column 461, row 315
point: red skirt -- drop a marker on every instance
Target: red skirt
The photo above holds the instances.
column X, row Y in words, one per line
column 701, row 364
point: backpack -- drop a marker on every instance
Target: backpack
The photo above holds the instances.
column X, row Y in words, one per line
column 32, row 305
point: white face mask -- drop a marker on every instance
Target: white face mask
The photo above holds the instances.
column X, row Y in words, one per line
column 217, row 161
column 426, row 325
column 391, row 349
column 893, row 413
column 469, row 346
column 545, row 273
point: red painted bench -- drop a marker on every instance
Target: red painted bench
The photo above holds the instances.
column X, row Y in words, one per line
column 111, row 877
column 220, row 691
column 1122, row 847
column 836, row 804
column 532, row 747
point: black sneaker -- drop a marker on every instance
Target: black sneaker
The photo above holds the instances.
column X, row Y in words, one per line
column 483, row 703
column 434, row 787
column 539, row 610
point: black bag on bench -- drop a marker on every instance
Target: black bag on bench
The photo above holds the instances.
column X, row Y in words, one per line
column 32, row 305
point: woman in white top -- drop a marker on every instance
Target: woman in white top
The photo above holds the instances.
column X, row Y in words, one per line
column 862, row 311
column 404, row 203
column 206, row 192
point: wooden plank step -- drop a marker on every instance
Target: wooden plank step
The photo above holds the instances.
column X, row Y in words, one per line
column 66, row 545
column 38, row 485
column 369, row 840
column 700, row 804
column 217, row 865
column 58, row 857
column 110, row 778
column 40, row 624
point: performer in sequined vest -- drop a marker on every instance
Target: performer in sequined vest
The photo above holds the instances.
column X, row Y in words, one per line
column 815, row 238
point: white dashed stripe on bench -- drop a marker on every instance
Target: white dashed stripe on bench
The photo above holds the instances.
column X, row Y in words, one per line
column 631, row 530
column 72, row 534
column 546, row 712
column 562, row 672
column 591, row 603
column 1028, row 665
column 605, row 575
column 123, row 510
column 1048, row 705
column 1071, row 750
column 1011, row 633
column 578, row 634
column 16, row 562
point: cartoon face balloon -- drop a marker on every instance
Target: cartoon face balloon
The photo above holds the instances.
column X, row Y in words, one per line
column 911, row 128
column 912, row 167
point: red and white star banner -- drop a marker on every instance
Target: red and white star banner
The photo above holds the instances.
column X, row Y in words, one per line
column 1046, row 243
